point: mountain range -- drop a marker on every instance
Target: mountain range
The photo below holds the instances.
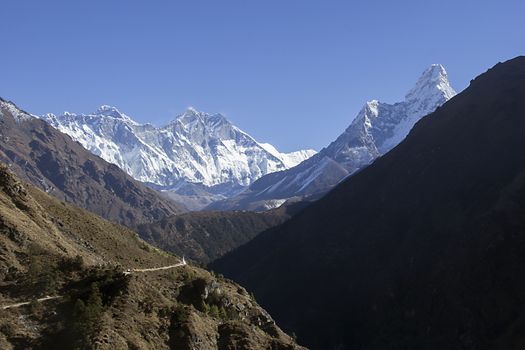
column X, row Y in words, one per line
column 204, row 161
column 376, row 129
column 199, row 157
column 422, row 249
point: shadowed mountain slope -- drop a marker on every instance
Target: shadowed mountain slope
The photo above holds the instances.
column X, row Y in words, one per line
column 423, row 249
column 206, row 236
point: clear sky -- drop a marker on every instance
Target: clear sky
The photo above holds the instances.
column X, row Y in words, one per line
column 292, row 73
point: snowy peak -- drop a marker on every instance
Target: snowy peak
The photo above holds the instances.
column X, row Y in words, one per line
column 191, row 116
column 369, row 111
column 102, row 112
column 108, row 111
column 191, row 110
column 432, row 83
column 206, row 130
column 113, row 112
column 381, row 126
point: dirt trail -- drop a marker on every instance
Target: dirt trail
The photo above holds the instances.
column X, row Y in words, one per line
column 29, row 302
column 127, row 272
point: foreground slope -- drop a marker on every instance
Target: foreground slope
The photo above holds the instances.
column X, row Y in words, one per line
column 60, row 166
column 376, row 129
column 80, row 261
column 423, row 249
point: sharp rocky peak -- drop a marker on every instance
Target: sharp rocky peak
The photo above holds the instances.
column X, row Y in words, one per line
column 433, row 82
column 192, row 115
column 110, row 111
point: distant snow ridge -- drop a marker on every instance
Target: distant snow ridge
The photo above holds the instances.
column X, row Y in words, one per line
column 196, row 147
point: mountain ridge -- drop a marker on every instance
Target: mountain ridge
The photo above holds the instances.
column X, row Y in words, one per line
column 195, row 147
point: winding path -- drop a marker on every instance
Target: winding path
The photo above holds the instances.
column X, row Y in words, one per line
column 127, row 272
column 130, row 271
column 29, row 302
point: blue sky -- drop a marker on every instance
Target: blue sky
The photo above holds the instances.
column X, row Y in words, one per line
column 292, row 73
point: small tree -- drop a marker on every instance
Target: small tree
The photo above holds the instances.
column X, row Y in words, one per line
column 72, row 264
column 8, row 329
column 222, row 314
column 214, row 311
column 48, row 281
column 86, row 316
column 181, row 315
column 205, row 307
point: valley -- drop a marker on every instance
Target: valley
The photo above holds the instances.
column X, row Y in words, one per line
column 262, row 175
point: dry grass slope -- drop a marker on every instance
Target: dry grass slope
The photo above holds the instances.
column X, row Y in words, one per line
column 48, row 247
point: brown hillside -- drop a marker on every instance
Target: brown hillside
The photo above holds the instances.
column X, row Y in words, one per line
column 48, row 247
column 206, row 236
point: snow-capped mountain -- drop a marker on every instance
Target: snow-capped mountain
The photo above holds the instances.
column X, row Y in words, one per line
column 376, row 129
column 381, row 126
column 196, row 148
